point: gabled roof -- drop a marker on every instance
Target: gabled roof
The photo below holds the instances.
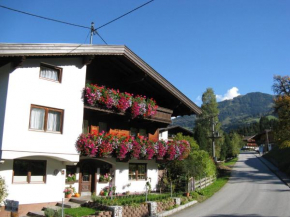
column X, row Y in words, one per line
column 10, row 51
column 177, row 129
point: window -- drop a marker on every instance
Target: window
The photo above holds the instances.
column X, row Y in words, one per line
column 142, row 132
column 29, row 171
column 50, row 72
column 46, row 119
column 133, row 131
column 71, row 173
column 102, row 127
column 137, row 171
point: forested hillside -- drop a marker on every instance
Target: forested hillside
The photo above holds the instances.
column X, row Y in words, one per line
column 238, row 112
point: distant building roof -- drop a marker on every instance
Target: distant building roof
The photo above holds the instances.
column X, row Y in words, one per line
column 177, row 129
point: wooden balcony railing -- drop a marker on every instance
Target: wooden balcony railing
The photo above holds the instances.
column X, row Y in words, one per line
column 162, row 115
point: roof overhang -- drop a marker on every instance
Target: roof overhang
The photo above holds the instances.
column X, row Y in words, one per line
column 22, row 51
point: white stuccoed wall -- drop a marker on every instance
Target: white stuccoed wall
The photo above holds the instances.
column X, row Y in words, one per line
column 4, row 78
column 50, row 191
column 121, row 179
column 163, row 136
column 123, row 183
column 26, row 88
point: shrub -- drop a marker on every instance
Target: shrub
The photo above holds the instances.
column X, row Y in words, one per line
column 52, row 213
column 3, row 190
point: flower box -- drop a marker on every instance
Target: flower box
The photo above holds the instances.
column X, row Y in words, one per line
column 71, row 182
column 138, row 106
column 125, row 148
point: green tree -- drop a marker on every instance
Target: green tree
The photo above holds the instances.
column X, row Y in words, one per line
column 203, row 127
column 281, row 88
column 3, row 190
column 198, row 164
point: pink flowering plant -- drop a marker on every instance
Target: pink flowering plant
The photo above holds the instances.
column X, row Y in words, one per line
column 105, row 178
column 139, row 106
column 128, row 147
column 71, row 178
column 161, row 147
column 69, row 190
column 171, row 151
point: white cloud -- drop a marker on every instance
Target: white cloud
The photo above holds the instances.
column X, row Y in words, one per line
column 230, row 94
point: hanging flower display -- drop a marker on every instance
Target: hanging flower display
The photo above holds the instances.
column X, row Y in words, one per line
column 125, row 101
column 151, row 107
column 122, row 147
column 161, row 147
column 171, row 151
column 86, row 145
column 136, row 149
column 139, row 106
column 150, row 150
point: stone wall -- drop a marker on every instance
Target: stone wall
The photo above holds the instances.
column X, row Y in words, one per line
column 136, row 211
column 162, row 206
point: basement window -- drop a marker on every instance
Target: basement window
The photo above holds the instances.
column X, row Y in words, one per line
column 29, row 171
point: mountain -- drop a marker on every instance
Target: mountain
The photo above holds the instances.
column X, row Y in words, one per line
column 237, row 112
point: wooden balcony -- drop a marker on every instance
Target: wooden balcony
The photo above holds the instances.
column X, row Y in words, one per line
column 162, row 115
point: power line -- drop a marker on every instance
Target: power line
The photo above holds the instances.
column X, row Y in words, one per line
column 79, row 44
column 76, row 25
column 100, row 36
column 124, row 15
column 46, row 18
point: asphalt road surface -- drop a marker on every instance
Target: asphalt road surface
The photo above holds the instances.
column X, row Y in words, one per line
column 253, row 190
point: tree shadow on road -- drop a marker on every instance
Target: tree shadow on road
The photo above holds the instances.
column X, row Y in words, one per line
column 254, row 171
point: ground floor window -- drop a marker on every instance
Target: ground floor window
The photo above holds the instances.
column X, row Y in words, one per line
column 71, row 173
column 137, row 171
column 29, row 171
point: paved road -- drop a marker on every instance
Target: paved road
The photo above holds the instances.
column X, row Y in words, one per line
column 252, row 190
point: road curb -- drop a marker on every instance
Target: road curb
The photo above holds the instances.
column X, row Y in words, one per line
column 282, row 176
column 177, row 209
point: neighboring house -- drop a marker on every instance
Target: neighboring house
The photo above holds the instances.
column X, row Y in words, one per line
column 43, row 113
column 265, row 140
column 250, row 142
column 170, row 132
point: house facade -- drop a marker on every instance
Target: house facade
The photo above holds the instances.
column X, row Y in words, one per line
column 44, row 112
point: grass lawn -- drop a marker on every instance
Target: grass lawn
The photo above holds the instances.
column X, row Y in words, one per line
column 224, row 175
column 231, row 162
column 209, row 191
column 80, row 211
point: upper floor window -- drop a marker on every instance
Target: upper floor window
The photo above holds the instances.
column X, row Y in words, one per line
column 46, row 119
column 50, row 72
column 29, row 171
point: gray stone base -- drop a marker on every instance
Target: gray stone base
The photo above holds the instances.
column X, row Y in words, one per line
column 177, row 209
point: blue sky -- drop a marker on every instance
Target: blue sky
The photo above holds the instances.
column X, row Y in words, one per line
column 232, row 46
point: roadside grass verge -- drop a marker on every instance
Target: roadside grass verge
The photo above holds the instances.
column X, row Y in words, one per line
column 80, row 211
column 224, row 173
column 231, row 162
column 207, row 192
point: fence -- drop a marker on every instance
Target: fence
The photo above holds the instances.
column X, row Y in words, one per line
column 201, row 183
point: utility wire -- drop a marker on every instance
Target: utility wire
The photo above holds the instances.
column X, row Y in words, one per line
column 76, row 25
column 95, row 32
column 79, row 44
column 46, row 18
column 124, row 15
